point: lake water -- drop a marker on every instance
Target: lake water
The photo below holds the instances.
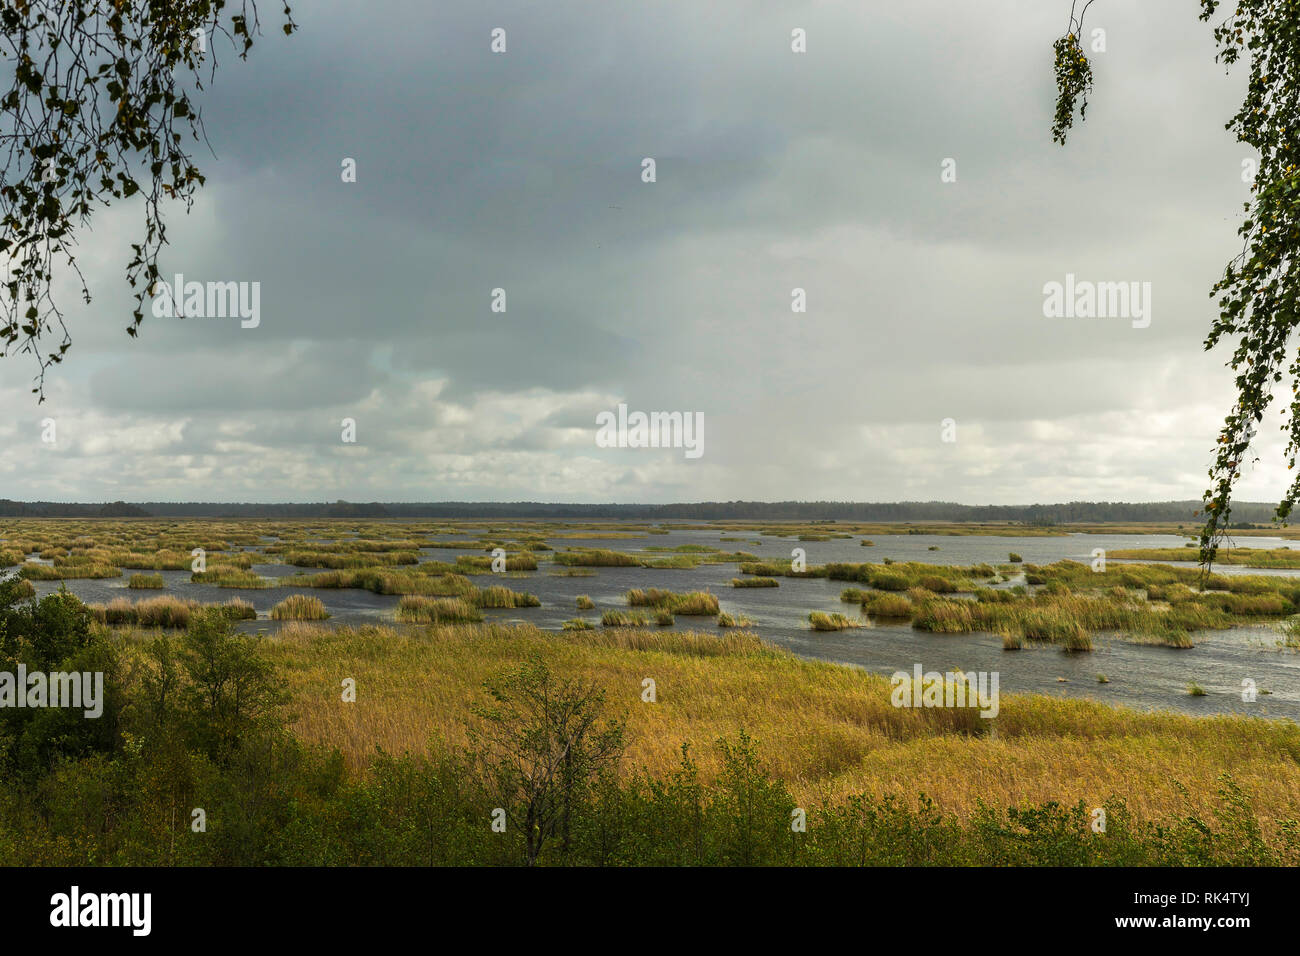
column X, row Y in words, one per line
column 1140, row 676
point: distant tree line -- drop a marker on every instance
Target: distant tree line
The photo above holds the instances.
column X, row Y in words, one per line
column 1037, row 515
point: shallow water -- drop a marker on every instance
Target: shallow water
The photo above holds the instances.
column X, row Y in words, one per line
column 1140, row 676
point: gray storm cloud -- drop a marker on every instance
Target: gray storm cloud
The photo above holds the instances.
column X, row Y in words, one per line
column 775, row 171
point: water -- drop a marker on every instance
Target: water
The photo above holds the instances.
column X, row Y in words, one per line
column 1141, row 676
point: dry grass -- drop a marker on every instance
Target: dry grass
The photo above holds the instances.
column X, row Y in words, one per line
column 850, row 738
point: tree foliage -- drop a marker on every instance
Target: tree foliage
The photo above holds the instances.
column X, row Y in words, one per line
column 1257, row 292
column 541, row 745
column 102, row 105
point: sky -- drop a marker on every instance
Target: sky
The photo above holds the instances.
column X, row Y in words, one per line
column 923, row 367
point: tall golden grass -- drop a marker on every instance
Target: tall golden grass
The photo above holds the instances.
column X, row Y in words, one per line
column 829, row 731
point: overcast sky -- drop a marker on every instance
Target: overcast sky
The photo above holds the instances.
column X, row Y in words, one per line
column 775, row 170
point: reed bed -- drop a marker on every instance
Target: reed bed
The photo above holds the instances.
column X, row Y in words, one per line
column 419, row 609
column 381, row 581
column 482, row 564
column 726, row 619
column 338, row 561
column 68, row 571
column 821, row 621
column 231, row 577
column 300, row 607
column 597, row 558
column 502, row 597
column 885, row 605
column 164, row 611
column 700, row 603
column 623, row 619
column 851, row 738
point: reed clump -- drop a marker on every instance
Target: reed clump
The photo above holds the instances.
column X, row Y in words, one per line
column 821, row 621
column 421, row 609
column 597, row 558
column 502, row 597
column 694, row 603
column 300, row 607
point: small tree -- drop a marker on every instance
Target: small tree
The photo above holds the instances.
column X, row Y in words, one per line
column 540, row 746
column 232, row 690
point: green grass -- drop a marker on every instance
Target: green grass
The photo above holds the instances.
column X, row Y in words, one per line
column 755, row 583
column 146, row 581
